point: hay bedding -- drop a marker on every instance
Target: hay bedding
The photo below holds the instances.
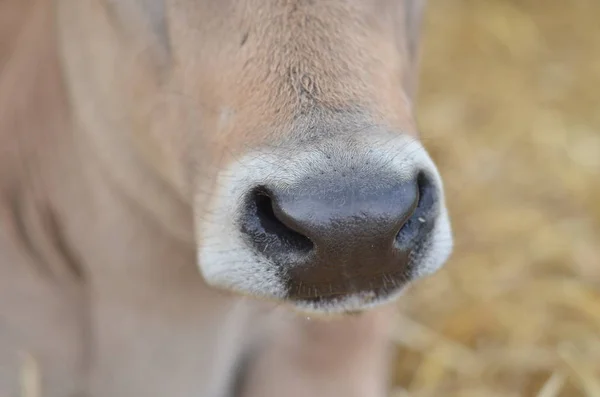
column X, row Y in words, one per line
column 509, row 106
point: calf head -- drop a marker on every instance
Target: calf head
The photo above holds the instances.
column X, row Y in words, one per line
column 287, row 127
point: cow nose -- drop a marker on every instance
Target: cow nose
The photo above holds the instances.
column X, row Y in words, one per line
column 330, row 238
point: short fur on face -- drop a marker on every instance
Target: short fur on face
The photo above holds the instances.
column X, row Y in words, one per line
column 131, row 132
column 218, row 96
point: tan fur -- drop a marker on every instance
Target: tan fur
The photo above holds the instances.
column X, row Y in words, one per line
column 113, row 124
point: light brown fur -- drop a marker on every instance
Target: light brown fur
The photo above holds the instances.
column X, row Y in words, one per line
column 113, row 122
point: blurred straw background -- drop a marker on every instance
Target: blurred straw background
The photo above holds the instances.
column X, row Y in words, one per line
column 509, row 106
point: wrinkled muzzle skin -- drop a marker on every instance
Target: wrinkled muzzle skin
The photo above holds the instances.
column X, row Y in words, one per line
column 221, row 98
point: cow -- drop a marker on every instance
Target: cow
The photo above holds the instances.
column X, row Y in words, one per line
column 210, row 198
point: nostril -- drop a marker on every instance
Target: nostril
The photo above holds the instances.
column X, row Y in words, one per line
column 422, row 217
column 427, row 194
column 269, row 233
